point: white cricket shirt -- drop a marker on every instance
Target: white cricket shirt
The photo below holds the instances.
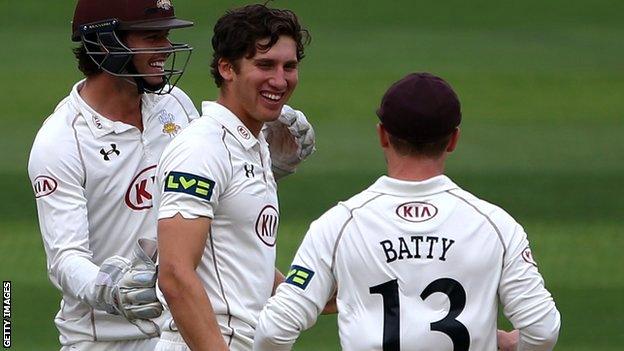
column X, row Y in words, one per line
column 417, row 266
column 93, row 180
column 217, row 169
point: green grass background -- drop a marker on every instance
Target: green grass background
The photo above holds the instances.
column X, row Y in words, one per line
column 542, row 88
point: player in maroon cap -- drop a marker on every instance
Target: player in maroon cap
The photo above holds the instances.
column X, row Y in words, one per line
column 417, row 262
column 95, row 190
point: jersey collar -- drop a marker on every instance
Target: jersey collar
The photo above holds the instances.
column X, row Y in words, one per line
column 393, row 186
column 229, row 120
column 98, row 124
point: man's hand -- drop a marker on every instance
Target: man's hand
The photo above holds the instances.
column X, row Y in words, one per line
column 128, row 288
column 507, row 341
column 291, row 140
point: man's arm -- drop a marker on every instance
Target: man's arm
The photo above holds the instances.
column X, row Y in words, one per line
column 57, row 179
column 526, row 302
column 181, row 244
column 279, row 279
column 306, row 290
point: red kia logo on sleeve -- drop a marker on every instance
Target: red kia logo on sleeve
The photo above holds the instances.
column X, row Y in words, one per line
column 416, row 211
column 44, row 186
column 139, row 193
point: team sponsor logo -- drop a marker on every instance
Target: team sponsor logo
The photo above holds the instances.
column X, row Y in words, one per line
column 178, row 182
column 299, row 276
column 243, row 132
column 107, row 154
column 168, row 122
column 44, row 186
column 139, row 193
column 164, row 4
column 97, row 122
column 416, row 211
column 266, row 225
column 527, row 255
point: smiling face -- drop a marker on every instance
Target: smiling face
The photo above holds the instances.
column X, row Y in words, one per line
column 257, row 88
column 151, row 64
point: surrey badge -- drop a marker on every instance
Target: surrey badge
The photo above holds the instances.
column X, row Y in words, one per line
column 168, row 122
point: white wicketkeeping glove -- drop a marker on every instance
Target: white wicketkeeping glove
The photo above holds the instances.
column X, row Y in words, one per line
column 291, row 140
column 128, row 288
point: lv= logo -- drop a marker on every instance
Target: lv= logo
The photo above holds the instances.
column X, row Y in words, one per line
column 191, row 184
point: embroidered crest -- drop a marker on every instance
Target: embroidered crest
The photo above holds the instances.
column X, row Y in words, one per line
column 168, row 122
column 164, row 4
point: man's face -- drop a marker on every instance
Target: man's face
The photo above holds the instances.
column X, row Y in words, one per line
column 262, row 84
column 149, row 63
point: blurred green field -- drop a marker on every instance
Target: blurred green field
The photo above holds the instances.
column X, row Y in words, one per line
column 542, row 86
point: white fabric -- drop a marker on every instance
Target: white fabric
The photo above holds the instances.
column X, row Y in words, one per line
column 173, row 341
column 134, row 345
column 415, row 233
column 238, row 263
column 94, row 200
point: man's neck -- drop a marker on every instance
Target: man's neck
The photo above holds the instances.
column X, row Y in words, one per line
column 114, row 98
column 414, row 169
column 253, row 125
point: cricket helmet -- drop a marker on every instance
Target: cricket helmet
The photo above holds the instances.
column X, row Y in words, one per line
column 98, row 24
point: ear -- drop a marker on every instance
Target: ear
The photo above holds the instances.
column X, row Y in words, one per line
column 453, row 142
column 383, row 136
column 226, row 70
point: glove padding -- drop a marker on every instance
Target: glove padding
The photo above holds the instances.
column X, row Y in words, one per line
column 291, row 140
column 128, row 288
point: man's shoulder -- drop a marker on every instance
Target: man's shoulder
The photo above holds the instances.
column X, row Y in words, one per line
column 494, row 213
column 343, row 210
column 201, row 139
column 57, row 127
column 176, row 97
column 359, row 200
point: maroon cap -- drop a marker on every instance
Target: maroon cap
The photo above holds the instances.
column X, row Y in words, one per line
column 420, row 108
column 131, row 15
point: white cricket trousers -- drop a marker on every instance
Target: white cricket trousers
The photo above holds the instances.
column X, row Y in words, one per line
column 127, row 345
column 173, row 341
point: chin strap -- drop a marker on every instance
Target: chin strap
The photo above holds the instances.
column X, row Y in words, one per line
column 142, row 85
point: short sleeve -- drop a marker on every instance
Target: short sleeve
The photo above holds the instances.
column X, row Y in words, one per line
column 193, row 172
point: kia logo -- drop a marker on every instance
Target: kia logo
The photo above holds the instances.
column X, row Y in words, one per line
column 139, row 193
column 44, row 186
column 266, row 225
column 243, row 132
column 416, row 211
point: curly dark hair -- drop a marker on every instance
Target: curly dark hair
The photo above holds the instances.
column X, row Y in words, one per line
column 236, row 34
column 86, row 65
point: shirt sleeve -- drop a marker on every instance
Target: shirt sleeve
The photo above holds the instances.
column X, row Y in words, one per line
column 309, row 284
column 57, row 179
column 193, row 173
column 526, row 302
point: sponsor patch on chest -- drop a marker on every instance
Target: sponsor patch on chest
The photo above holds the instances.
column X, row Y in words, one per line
column 139, row 193
column 266, row 225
